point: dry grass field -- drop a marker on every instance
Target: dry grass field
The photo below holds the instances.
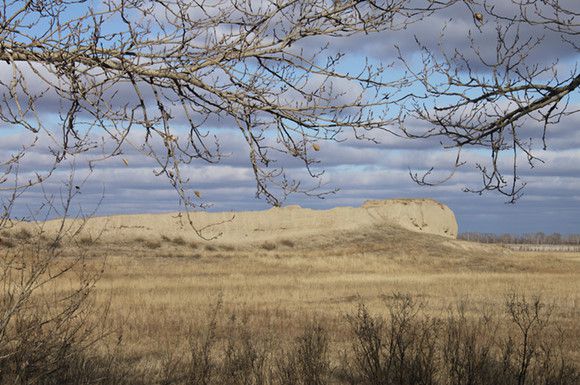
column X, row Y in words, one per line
column 160, row 291
column 155, row 296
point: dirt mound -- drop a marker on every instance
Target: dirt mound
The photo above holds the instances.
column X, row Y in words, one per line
column 418, row 215
column 423, row 215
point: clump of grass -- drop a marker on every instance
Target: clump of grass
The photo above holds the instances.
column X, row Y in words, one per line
column 227, row 248
column 148, row 243
column 22, row 234
column 220, row 256
column 181, row 255
column 86, row 240
column 287, row 243
column 308, row 360
column 210, row 248
column 179, row 241
column 8, row 243
column 152, row 244
column 268, row 246
column 193, row 245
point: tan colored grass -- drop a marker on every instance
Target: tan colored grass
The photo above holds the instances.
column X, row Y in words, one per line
column 160, row 294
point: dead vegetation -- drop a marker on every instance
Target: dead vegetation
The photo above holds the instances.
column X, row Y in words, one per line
column 318, row 310
column 401, row 344
column 269, row 246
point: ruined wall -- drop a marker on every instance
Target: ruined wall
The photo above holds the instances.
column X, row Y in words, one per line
column 419, row 215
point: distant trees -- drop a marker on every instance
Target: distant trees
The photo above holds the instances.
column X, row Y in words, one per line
column 539, row 238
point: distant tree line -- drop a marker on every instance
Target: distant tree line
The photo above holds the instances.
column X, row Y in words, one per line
column 539, row 238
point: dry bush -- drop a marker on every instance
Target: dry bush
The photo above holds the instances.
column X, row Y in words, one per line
column 42, row 347
column 180, row 255
column 400, row 350
column 49, row 325
column 22, row 234
column 234, row 354
column 48, row 332
column 201, row 368
column 244, row 357
column 210, row 247
column 287, row 243
column 410, row 348
column 469, row 355
column 308, row 360
column 7, row 243
column 179, row 241
column 150, row 244
column 403, row 347
column 268, row 246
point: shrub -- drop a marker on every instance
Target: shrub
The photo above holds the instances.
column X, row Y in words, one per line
column 23, row 234
column 244, row 359
column 47, row 334
column 201, row 368
column 228, row 248
column 180, row 255
column 308, row 361
column 268, row 246
column 8, row 243
column 179, row 241
column 86, row 241
column 408, row 347
column 287, row 243
column 152, row 244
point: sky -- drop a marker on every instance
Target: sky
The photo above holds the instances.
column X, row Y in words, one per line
column 357, row 170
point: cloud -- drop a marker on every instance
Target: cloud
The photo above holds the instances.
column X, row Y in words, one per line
column 361, row 169
column 453, row 28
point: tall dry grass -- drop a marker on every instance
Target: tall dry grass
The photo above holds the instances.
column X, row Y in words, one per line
column 401, row 345
column 316, row 311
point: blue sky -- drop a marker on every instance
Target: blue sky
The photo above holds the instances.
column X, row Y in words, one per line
column 360, row 170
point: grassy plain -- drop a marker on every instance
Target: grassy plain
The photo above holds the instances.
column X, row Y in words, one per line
column 159, row 292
